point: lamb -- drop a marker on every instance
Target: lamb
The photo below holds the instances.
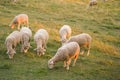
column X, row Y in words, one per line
column 41, row 37
column 84, row 40
column 65, row 53
column 25, row 40
column 11, row 41
column 65, row 32
column 19, row 20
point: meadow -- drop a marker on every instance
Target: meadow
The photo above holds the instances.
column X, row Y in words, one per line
column 102, row 22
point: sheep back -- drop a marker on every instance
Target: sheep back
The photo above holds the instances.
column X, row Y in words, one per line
column 82, row 39
column 41, row 34
column 14, row 38
column 68, row 50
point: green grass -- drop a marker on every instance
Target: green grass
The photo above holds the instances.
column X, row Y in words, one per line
column 102, row 22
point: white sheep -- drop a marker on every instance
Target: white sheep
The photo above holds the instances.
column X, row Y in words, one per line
column 65, row 32
column 25, row 40
column 84, row 40
column 92, row 2
column 19, row 20
column 41, row 37
column 11, row 41
column 65, row 53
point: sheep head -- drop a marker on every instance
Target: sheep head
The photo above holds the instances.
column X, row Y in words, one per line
column 12, row 25
column 50, row 64
column 26, row 45
column 40, row 51
column 11, row 54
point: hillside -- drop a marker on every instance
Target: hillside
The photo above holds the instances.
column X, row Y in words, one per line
column 102, row 22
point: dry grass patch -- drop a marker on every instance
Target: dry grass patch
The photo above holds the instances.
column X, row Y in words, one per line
column 104, row 47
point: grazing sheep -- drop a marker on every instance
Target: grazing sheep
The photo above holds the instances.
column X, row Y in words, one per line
column 19, row 20
column 65, row 53
column 11, row 41
column 25, row 41
column 92, row 2
column 65, row 32
column 40, row 38
column 84, row 40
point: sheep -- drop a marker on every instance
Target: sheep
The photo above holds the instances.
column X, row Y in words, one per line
column 65, row 32
column 84, row 40
column 25, row 40
column 92, row 2
column 19, row 20
column 11, row 41
column 65, row 53
column 41, row 37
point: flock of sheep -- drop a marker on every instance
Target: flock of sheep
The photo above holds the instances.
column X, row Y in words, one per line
column 70, row 49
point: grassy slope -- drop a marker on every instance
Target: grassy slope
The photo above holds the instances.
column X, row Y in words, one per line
column 102, row 22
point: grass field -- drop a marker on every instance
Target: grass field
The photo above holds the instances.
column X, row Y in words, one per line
column 102, row 22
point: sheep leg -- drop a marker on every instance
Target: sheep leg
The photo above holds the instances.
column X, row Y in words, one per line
column 88, row 51
column 44, row 46
column 65, row 64
column 76, row 57
column 68, row 63
column 18, row 26
column 82, row 52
